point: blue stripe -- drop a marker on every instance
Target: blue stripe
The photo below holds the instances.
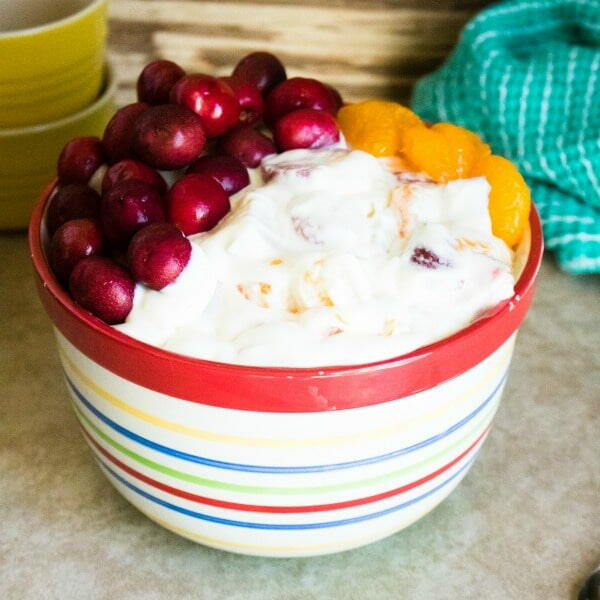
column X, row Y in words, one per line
column 276, row 469
column 279, row 526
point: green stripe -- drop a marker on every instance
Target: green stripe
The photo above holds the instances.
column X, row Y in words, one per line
column 282, row 491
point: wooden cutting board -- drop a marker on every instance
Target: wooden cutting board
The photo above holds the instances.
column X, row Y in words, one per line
column 367, row 49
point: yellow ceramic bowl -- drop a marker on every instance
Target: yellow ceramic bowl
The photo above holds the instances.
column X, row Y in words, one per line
column 51, row 58
column 28, row 155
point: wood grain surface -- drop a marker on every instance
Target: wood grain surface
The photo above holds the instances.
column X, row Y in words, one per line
column 367, row 49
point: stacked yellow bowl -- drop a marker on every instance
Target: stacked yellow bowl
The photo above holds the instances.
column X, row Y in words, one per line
column 54, row 85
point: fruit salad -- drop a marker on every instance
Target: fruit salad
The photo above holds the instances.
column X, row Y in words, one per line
column 255, row 219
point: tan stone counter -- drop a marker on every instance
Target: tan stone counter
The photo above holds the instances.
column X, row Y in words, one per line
column 524, row 524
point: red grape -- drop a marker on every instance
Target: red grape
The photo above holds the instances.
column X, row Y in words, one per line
column 262, row 69
column 72, row 201
column 103, row 287
column 127, row 207
column 157, row 254
column 306, row 128
column 337, row 97
column 169, row 136
column 197, row 203
column 299, row 92
column 79, row 159
column 228, row 171
column 73, row 241
column 156, row 80
column 132, row 169
column 249, row 98
column 211, row 99
column 118, row 135
column 246, row 144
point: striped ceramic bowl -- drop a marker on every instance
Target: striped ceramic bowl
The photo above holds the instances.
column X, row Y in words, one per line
column 282, row 461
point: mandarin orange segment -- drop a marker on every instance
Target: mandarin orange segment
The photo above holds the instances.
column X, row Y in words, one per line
column 444, row 151
column 405, row 120
column 479, row 146
column 375, row 126
column 510, row 199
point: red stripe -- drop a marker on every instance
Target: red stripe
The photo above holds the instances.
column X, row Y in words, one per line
column 278, row 509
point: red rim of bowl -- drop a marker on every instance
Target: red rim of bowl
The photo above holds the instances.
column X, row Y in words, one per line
column 280, row 389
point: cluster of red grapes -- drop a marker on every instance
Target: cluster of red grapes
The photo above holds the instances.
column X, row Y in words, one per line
column 214, row 128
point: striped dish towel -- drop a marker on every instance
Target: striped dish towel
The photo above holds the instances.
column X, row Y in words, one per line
column 526, row 76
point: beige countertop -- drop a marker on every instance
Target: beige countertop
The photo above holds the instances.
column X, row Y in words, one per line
column 524, row 524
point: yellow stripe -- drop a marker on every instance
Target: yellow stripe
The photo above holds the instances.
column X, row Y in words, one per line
column 259, row 442
column 239, row 546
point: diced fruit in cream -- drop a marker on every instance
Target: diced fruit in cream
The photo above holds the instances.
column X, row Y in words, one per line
column 329, row 260
column 188, row 294
column 301, row 164
column 427, row 258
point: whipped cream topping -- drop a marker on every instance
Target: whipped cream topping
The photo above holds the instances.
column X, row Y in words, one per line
column 329, row 258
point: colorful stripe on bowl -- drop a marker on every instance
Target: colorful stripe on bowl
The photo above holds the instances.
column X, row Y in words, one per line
column 283, row 526
column 73, row 372
column 249, row 468
column 281, row 547
column 412, row 452
column 102, row 441
column 104, row 456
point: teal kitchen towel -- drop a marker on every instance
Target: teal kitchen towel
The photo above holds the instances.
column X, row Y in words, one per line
column 526, row 77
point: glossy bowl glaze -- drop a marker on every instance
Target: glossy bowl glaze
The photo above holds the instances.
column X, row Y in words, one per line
column 283, row 461
column 51, row 59
column 28, row 155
